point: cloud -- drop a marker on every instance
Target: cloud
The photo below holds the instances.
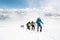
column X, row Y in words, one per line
column 53, row 4
column 27, row 13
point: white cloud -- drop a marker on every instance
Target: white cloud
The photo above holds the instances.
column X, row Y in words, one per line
column 28, row 13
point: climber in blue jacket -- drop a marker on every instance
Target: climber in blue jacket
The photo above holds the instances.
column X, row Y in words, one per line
column 38, row 21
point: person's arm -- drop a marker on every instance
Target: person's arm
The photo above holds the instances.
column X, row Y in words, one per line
column 41, row 22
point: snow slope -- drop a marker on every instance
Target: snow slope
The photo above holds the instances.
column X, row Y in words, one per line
column 13, row 31
column 10, row 28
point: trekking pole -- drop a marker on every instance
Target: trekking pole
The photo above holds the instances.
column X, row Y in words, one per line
column 43, row 27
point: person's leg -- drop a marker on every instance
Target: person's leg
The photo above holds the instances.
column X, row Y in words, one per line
column 29, row 27
column 32, row 27
column 37, row 28
column 40, row 28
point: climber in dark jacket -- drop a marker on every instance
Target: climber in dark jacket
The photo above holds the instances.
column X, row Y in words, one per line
column 33, row 25
column 28, row 25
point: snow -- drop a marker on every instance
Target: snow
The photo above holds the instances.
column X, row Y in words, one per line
column 10, row 28
column 15, row 32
